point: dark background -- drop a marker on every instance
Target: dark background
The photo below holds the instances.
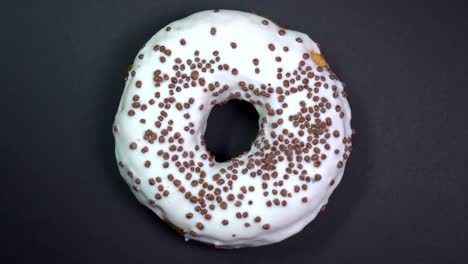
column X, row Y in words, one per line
column 403, row 198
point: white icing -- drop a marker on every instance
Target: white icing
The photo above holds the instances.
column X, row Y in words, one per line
column 252, row 38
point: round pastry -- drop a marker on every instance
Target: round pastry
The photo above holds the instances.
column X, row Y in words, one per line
column 271, row 191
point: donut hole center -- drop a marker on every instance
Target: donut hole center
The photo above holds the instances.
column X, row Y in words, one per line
column 231, row 129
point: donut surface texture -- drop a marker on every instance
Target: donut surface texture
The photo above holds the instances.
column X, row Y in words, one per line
column 266, row 194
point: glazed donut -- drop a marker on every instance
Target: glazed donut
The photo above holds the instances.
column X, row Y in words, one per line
column 296, row 161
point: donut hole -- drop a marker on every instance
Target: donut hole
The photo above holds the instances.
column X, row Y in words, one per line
column 231, row 129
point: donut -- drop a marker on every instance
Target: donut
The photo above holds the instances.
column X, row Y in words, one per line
column 267, row 193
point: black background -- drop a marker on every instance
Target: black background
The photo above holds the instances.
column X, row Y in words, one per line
column 403, row 198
